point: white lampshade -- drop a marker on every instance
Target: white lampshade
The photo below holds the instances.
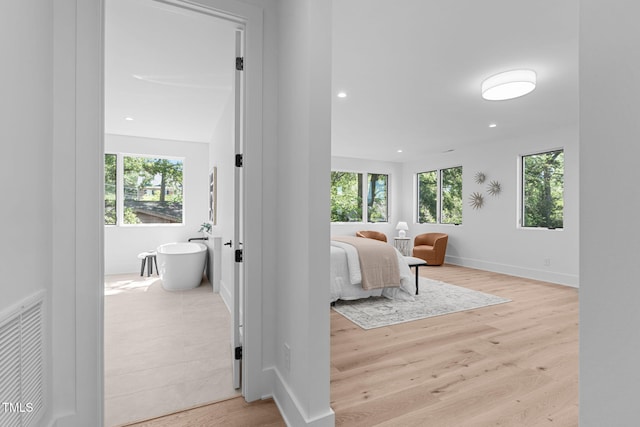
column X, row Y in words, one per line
column 509, row 85
column 402, row 226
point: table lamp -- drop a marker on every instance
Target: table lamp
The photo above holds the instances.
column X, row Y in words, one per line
column 403, row 227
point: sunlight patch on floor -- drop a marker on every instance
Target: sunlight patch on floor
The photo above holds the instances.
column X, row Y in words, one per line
column 141, row 284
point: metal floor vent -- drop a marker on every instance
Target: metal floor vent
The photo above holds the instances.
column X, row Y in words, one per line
column 21, row 365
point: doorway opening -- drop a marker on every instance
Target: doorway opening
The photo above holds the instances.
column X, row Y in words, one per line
column 173, row 94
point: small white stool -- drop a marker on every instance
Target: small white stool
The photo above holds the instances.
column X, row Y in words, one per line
column 148, row 258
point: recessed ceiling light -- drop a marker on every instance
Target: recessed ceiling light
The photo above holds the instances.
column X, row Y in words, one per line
column 342, row 94
column 129, row 119
column 399, row 151
column 509, row 85
column 492, row 125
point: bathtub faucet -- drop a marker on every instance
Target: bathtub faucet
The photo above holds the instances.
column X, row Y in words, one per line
column 198, row 238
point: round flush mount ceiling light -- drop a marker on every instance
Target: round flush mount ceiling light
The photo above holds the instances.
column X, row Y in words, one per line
column 342, row 94
column 509, row 85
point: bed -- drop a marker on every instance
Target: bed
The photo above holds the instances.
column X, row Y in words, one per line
column 346, row 278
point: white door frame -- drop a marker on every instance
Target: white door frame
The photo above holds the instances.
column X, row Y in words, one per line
column 77, row 320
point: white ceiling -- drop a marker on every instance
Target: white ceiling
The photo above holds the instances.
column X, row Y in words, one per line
column 169, row 69
column 412, row 72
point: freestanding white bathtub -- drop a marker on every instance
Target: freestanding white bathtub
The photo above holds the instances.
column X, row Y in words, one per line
column 181, row 265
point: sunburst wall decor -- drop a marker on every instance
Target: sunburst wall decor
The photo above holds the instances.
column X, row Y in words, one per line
column 480, row 177
column 494, row 188
column 476, row 200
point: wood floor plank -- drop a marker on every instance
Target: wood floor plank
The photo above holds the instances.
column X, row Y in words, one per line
column 379, row 410
column 469, row 405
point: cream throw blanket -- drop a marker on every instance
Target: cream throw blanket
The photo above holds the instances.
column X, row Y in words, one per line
column 378, row 262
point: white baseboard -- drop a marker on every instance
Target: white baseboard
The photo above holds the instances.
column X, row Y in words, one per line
column 513, row 270
column 290, row 407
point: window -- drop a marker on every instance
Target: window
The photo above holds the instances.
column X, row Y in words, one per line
column 428, row 197
column 440, row 196
column 376, row 197
column 150, row 189
column 346, row 197
column 110, row 189
column 347, row 201
column 543, row 190
column 451, row 194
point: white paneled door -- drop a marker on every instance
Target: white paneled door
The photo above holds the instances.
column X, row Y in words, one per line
column 237, row 315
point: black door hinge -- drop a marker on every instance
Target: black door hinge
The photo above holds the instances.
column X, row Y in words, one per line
column 238, row 255
column 239, row 64
column 238, row 351
column 239, row 160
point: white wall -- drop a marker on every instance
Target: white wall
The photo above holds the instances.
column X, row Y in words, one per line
column 261, row 297
column 302, row 240
column 26, row 138
column 123, row 244
column 221, row 156
column 610, row 234
column 396, row 194
column 26, row 135
column 489, row 238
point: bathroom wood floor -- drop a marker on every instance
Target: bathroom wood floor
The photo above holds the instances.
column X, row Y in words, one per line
column 164, row 351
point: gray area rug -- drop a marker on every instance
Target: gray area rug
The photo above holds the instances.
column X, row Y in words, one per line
column 435, row 299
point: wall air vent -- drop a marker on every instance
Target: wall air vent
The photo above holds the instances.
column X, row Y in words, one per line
column 21, row 365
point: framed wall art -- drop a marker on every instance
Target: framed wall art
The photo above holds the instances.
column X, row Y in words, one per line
column 213, row 196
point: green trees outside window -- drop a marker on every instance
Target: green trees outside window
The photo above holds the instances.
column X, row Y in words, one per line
column 152, row 190
column 428, row 197
column 347, row 190
column 451, row 194
column 346, row 196
column 377, row 197
column 543, row 189
column 110, row 189
column 445, row 198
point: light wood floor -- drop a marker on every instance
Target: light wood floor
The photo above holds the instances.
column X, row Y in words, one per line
column 513, row 364
column 164, row 351
column 230, row 413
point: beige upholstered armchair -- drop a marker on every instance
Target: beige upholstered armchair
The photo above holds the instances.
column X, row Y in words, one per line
column 431, row 247
column 372, row 235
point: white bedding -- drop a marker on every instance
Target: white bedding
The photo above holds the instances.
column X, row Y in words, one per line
column 345, row 276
